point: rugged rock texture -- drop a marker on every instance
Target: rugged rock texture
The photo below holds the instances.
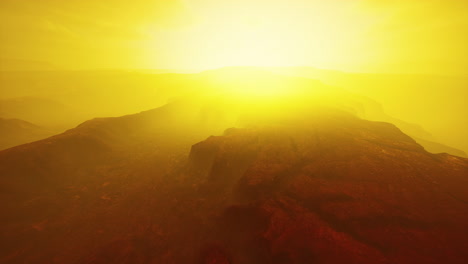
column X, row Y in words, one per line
column 335, row 191
column 319, row 188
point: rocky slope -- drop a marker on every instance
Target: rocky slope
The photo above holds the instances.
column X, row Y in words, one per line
column 334, row 191
column 323, row 187
column 60, row 100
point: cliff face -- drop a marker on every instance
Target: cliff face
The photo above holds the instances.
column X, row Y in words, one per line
column 334, row 191
column 320, row 188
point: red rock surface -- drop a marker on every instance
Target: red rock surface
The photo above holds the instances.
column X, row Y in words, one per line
column 338, row 191
column 323, row 188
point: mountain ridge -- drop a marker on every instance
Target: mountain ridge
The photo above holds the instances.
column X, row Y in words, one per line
column 295, row 189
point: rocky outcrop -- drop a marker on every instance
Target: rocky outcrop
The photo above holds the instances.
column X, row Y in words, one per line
column 335, row 190
column 322, row 187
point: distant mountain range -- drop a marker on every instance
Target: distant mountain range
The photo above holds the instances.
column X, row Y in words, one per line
column 435, row 102
column 428, row 108
column 15, row 132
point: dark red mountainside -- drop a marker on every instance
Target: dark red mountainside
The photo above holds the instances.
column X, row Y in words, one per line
column 339, row 191
column 323, row 188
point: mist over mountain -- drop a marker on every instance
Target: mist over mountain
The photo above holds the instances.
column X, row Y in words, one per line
column 15, row 132
column 435, row 102
column 233, row 132
column 157, row 187
column 63, row 99
column 237, row 165
column 46, row 112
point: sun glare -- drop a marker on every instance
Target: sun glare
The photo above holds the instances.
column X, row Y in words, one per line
column 280, row 35
column 233, row 131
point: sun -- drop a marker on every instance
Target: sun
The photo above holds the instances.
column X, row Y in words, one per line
column 280, row 35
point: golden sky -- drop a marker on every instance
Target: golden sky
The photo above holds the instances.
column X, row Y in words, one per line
column 404, row 36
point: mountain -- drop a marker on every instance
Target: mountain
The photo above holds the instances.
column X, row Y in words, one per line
column 323, row 186
column 337, row 190
column 436, row 102
column 435, row 147
column 44, row 112
column 63, row 99
column 327, row 87
column 96, row 93
column 15, row 132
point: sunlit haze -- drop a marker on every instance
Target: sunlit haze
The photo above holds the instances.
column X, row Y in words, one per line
column 233, row 131
column 416, row 36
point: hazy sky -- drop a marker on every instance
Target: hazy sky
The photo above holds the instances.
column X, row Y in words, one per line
column 412, row 36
